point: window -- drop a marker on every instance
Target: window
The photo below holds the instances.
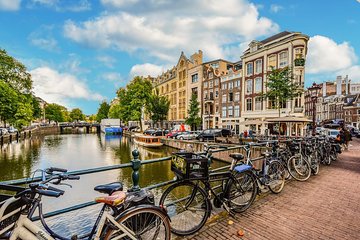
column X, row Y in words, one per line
column 249, row 86
column 194, row 91
column 205, row 84
column 214, row 65
column 237, row 97
column 205, row 94
column 231, row 85
column 223, row 86
column 230, row 111
column 194, row 78
column 224, row 98
column 211, row 75
column 258, row 104
column 230, row 97
column 216, row 94
column 249, row 69
column 258, row 85
column 216, row 82
column 223, row 112
column 299, row 52
column 258, row 66
column 237, row 111
column 211, row 84
column 271, row 62
column 283, row 59
column 249, row 104
column 237, row 83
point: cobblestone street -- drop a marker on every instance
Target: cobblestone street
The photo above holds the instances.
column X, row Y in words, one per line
column 326, row 206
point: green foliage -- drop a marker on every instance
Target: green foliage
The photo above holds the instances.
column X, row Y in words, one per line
column 37, row 112
column 24, row 111
column 133, row 99
column 56, row 112
column 193, row 118
column 14, row 73
column 157, row 107
column 76, row 115
column 8, row 101
column 281, row 87
column 103, row 111
column 114, row 111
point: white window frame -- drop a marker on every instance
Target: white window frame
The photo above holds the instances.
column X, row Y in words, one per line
column 223, row 113
column 230, row 111
column 224, row 98
column 249, row 87
column 194, row 78
column 258, row 66
column 248, row 73
column 237, row 111
column 237, row 97
column 283, row 63
column 258, row 102
column 258, row 87
column 246, row 104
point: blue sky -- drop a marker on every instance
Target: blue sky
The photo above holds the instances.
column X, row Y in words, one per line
column 80, row 52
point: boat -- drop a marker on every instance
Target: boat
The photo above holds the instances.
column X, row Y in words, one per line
column 147, row 141
column 113, row 130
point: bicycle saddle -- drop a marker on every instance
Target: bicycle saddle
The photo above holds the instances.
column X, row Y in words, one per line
column 115, row 199
column 236, row 156
column 109, row 188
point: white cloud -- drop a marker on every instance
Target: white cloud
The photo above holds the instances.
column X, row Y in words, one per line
column 325, row 55
column 112, row 77
column 146, row 69
column 358, row 1
column 275, row 8
column 56, row 87
column 353, row 72
column 107, row 60
column 148, row 28
column 61, row 6
column 117, row 3
column 10, row 5
column 43, row 39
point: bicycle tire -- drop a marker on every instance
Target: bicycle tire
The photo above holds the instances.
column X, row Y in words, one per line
column 241, row 191
column 143, row 220
column 315, row 164
column 299, row 170
column 188, row 207
column 276, row 173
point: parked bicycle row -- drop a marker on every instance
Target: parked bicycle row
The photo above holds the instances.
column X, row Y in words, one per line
column 188, row 201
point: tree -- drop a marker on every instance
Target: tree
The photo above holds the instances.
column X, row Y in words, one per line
column 14, row 73
column 37, row 112
column 103, row 111
column 157, row 107
column 76, row 115
column 24, row 111
column 193, row 118
column 281, row 87
column 8, row 102
column 114, row 111
column 55, row 112
column 133, row 99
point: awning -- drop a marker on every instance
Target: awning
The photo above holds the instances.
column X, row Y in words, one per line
column 288, row 119
column 253, row 122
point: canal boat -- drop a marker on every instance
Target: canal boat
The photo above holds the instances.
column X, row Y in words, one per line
column 113, row 130
column 147, row 141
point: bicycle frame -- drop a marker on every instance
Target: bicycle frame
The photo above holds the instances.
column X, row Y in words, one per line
column 27, row 230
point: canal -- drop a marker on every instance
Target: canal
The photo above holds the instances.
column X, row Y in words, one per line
column 76, row 152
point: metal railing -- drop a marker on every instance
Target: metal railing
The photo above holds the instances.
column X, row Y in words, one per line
column 135, row 164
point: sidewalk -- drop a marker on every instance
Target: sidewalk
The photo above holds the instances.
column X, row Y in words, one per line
column 326, row 206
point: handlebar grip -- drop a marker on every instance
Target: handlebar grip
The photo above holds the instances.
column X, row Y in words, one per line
column 73, row 177
column 56, row 190
column 48, row 193
column 55, row 169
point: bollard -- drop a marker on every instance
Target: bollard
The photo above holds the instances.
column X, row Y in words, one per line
column 136, row 163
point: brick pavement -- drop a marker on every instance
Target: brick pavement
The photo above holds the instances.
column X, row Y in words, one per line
column 326, row 206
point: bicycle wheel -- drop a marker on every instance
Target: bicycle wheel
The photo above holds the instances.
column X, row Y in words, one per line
column 188, row 207
column 241, row 191
column 315, row 164
column 276, row 173
column 299, row 168
column 140, row 222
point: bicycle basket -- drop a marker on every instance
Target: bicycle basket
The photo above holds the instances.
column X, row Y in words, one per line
column 188, row 165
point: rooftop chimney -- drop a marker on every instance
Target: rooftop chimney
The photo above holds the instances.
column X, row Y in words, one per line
column 338, row 85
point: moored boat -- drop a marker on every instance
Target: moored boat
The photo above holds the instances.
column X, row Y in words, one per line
column 147, row 141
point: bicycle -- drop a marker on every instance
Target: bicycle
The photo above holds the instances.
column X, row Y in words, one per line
column 298, row 165
column 188, row 200
column 113, row 222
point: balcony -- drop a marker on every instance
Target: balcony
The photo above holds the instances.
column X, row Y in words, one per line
column 299, row 62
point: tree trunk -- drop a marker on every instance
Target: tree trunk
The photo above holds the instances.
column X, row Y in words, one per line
column 141, row 129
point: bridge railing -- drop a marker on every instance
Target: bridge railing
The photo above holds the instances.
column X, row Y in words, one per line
column 135, row 164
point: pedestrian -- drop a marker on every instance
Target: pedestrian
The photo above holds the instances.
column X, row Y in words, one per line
column 347, row 138
column 245, row 134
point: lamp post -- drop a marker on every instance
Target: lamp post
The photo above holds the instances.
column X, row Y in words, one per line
column 314, row 91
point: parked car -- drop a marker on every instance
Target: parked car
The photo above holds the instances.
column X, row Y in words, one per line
column 173, row 134
column 319, row 130
column 188, row 135
column 12, row 130
column 149, row 131
column 160, row 132
column 332, row 133
column 211, row 134
column 3, row 131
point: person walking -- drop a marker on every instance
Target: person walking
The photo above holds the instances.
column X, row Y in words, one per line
column 347, row 138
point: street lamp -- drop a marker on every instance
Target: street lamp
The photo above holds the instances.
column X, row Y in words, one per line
column 314, row 91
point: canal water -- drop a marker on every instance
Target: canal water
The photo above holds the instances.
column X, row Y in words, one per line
column 76, row 152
